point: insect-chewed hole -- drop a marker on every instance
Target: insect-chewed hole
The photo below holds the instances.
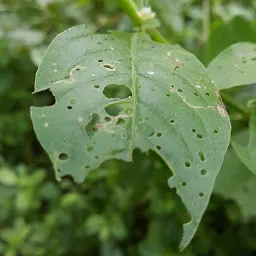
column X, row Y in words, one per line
column 158, row 147
column 90, row 149
column 216, row 131
column 117, row 91
column 87, row 166
column 159, row 134
column 110, row 67
column 187, row 164
column 69, row 107
column 196, row 94
column 199, row 136
column 120, row 121
column 201, row 194
column 193, row 130
column 208, row 94
column 183, row 184
column 203, row 172
column 145, row 130
column 96, row 86
column 96, row 157
column 172, row 121
column 43, row 98
column 100, row 60
column 180, row 90
column 90, row 128
column 201, row 155
column 63, row 156
column 107, row 118
column 116, row 109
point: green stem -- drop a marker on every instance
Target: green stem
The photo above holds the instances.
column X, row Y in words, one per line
column 206, row 19
column 131, row 9
column 156, row 36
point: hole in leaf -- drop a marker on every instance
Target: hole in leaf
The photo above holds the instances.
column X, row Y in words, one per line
column 96, row 86
column 172, row 121
column 140, row 119
column 43, row 98
column 216, row 131
column 158, row 147
column 203, row 172
column 100, row 60
column 159, row 134
column 116, row 109
column 69, row 107
column 87, row 166
column 208, row 94
column 187, row 164
column 201, row 155
column 184, row 184
column 199, row 136
column 168, row 94
column 196, row 94
column 63, row 156
column 96, row 157
column 201, row 194
column 90, row 149
column 90, row 127
column 180, row 90
column 107, row 119
column 120, row 121
column 117, row 91
column 193, row 130
column 145, row 130
column 110, row 67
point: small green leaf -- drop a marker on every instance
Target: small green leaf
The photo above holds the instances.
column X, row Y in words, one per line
column 234, row 66
column 118, row 92
column 247, row 153
column 236, row 182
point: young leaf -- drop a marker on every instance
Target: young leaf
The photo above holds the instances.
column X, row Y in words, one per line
column 247, row 154
column 234, row 66
column 236, row 182
column 120, row 91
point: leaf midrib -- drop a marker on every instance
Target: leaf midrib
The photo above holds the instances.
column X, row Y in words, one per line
column 134, row 91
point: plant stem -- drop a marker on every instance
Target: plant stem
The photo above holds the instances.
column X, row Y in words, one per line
column 206, row 19
column 156, row 36
column 131, row 9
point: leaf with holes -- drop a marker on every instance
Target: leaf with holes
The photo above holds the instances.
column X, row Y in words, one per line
column 247, row 153
column 236, row 182
column 119, row 91
column 234, row 66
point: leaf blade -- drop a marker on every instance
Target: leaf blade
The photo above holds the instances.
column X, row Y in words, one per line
column 234, row 66
column 173, row 109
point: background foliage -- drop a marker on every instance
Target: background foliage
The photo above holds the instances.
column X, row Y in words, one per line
column 122, row 209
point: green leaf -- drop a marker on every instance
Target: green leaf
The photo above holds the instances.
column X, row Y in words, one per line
column 247, row 153
column 236, row 182
column 118, row 92
column 219, row 41
column 234, row 66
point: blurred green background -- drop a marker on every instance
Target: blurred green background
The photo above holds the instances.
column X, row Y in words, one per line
column 122, row 209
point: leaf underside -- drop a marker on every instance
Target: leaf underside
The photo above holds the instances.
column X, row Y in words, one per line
column 171, row 107
column 234, row 66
